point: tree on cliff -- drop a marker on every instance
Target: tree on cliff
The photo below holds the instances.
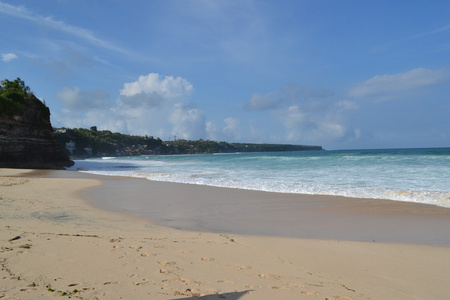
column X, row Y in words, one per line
column 16, row 97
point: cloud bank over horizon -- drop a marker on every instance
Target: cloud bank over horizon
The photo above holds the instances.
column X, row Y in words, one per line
column 157, row 103
column 160, row 106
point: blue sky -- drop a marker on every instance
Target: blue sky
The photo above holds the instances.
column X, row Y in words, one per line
column 342, row 74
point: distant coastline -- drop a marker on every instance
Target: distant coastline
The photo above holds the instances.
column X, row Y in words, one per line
column 86, row 143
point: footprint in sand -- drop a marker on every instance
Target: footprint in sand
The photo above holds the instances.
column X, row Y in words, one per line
column 280, row 288
column 310, row 293
column 253, row 286
column 207, row 259
column 143, row 282
column 166, row 263
column 226, row 281
column 239, row 267
column 269, row 276
column 28, row 289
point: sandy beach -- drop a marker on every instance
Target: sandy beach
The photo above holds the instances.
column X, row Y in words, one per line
column 54, row 243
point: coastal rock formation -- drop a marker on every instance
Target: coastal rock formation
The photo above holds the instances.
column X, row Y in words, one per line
column 26, row 134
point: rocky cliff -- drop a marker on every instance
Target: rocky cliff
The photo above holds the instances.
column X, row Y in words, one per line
column 26, row 134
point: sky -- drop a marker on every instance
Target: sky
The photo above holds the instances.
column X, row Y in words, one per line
column 345, row 74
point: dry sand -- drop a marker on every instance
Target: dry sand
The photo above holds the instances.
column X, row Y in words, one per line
column 54, row 244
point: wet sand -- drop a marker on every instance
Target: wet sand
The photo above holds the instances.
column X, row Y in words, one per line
column 53, row 243
column 223, row 210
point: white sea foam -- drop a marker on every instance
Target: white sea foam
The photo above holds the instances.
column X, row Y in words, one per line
column 413, row 176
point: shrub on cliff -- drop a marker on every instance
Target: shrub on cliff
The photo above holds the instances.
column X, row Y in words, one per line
column 16, row 99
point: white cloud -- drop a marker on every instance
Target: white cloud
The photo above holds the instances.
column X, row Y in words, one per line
column 167, row 86
column 151, row 105
column 232, row 128
column 385, row 85
column 7, row 57
column 232, row 124
column 212, row 131
column 74, row 98
column 305, row 114
column 141, row 100
column 188, row 122
column 307, row 127
column 230, row 131
column 104, row 119
column 82, row 33
column 153, row 89
column 17, row 11
column 144, row 121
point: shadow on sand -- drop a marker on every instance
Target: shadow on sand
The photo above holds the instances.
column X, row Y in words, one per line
column 229, row 296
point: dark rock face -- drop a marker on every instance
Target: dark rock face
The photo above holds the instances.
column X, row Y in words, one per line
column 27, row 141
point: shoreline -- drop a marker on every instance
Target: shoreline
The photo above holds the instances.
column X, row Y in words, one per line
column 221, row 210
column 391, row 174
column 54, row 242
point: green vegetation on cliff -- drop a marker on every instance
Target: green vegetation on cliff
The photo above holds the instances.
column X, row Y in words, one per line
column 16, row 99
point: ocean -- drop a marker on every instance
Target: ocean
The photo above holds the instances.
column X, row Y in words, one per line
column 412, row 175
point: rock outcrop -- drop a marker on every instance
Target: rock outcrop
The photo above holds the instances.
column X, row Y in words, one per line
column 26, row 134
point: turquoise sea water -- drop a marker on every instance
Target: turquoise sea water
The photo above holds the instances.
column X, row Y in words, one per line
column 414, row 175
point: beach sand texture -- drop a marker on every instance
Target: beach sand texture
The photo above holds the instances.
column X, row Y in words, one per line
column 54, row 244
